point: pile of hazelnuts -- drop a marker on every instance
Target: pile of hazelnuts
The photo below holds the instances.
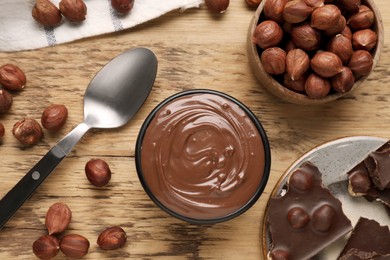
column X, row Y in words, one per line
column 75, row 11
column 316, row 47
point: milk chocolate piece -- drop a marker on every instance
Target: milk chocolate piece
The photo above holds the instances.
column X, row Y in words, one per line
column 306, row 219
column 378, row 166
column 368, row 240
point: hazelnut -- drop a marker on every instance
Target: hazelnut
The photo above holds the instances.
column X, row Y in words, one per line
column 54, row 117
column 297, row 63
column 46, row 13
column 359, row 183
column 273, row 10
column 297, row 218
column 274, row 60
column 347, row 32
column 12, row 77
column 279, row 254
column 74, row 246
column 361, row 62
column 112, row 238
column 317, row 87
column 2, row 130
column 306, row 37
column 74, row 10
column 253, row 3
column 296, row 11
column 217, row 6
column 122, row 6
column 98, row 172
column 314, row 3
column 343, row 82
column 350, row 5
column 301, row 180
column 27, row 131
column 365, row 39
column 58, row 218
column 361, row 20
column 323, row 218
column 46, row 247
column 295, row 85
column 341, row 46
column 325, row 17
column 326, row 64
column 340, row 26
column 5, row 101
column 267, row 34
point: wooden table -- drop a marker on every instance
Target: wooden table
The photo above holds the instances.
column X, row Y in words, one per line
column 195, row 50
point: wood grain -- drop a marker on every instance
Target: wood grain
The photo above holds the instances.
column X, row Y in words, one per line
column 195, row 50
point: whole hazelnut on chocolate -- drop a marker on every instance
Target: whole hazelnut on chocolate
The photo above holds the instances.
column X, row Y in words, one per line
column 317, row 87
column 297, row 63
column 54, row 117
column 46, row 247
column 362, row 19
column 326, row 64
column 12, row 77
column 5, row 101
column 361, row 62
column 365, row 39
column 274, row 60
column 217, row 6
column 253, row 3
column 46, row 13
column 112, row 238
column 297, row 218
column 58, row 218
column 341, row 46
column 74, row 246
column 74, row 10
column 323, row 218
column 343, row 81
column 2, row 130
column 267, row 34
column 273, row 10
column 296, row 11
column 325, row 17
column 98, row 172
column 28, row 131
column 306, row 37
column 122, row 6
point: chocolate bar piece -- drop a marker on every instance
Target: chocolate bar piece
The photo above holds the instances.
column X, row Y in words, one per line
column 306, row 219
column 368, row 240
column 378, row 166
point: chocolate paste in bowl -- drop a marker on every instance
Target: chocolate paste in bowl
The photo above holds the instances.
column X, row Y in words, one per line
column 202, row 157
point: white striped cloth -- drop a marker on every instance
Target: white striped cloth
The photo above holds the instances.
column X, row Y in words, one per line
column 19, row 31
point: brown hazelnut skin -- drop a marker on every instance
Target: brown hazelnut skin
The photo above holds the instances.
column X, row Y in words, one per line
column 343, row 81
column 253, row 3
column 362, row 19
column 46, row 13
column 122, row 6
column 74, row 246
column 2, row 130
column 347, row 32
column 297, row 63
column 341, row 46
column 317, row 87
column 267, row 34
column 296, row 11
column 74, row 10
column 361, row 62
column 28, row 131
column 314, row 3
column 306, row 37
column 365, row 39
column 12, row 77
column 273, row 10
column 350, row 5
column 112, row 238
column 274, row 60
column 54, row 117
column 295, row 85
column 217, row 6
column 5, row 101
column 98, row 172
column 326, row 64
column 58, row 218
column 340, row 26
column 46, row 247
column 325, row 17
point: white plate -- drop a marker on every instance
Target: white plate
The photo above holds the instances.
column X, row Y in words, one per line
column 334, row 159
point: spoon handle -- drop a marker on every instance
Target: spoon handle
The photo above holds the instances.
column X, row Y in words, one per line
column 15, row 198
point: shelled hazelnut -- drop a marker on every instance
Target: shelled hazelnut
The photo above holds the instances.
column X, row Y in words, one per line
column 2, row 130
column 217, row 6
column 12, row 77
column 112, row 238
column 46, row 13
column 58, row 218
column 253, row 3
column 98, row 172
column 46, row 247
column 274, row 60
column 73, row 10
column 268, row 34
column 122, row 6
column 28, row 131
column 54, row 117
column 273, row 10
column 5, row 101
column 74, row 246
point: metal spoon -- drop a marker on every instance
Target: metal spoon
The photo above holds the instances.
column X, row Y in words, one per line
column 112, row 98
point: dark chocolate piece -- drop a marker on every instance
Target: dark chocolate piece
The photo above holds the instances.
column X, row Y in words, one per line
column 378, row 166
column 368, row 240
column 306, row 219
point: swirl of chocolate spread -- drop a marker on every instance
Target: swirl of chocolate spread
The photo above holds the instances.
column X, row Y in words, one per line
column 202, row 157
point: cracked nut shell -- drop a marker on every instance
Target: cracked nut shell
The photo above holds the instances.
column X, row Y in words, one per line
column 28, row 131
column 112, row 238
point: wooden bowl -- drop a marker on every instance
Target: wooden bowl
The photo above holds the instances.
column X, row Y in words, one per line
column 277, row 89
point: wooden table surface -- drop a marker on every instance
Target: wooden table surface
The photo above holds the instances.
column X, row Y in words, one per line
column 195, row 50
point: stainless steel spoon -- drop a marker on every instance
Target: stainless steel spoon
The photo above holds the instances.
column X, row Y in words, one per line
column 112, row 98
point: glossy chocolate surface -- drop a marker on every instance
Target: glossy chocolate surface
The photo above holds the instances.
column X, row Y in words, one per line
column 378, row 165
column 202, row 157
